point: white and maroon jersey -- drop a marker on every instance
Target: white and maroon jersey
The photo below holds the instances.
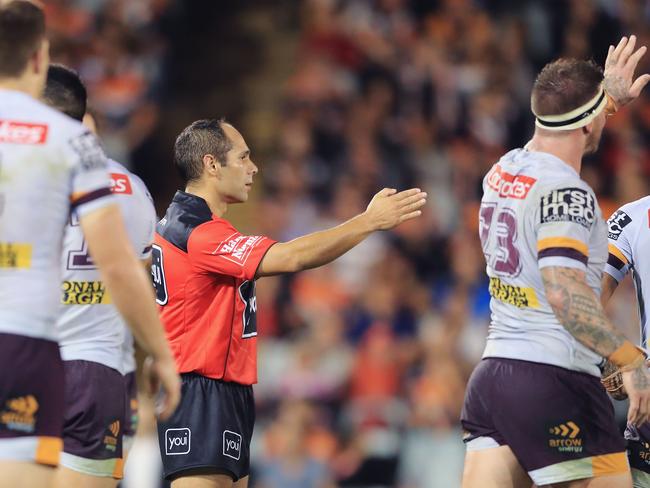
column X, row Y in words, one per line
column 629, row 246
column 49, row 164
column 537, row 212
column 89, row 326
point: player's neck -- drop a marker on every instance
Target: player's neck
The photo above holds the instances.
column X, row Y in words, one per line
column 24, row 84
column 567, row 149
column 217, row 206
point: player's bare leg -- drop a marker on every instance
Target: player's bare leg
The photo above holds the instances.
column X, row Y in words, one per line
column 494, row 468
column 623, row 480
column 16, row 474
column 68, row 478
column 209, row 481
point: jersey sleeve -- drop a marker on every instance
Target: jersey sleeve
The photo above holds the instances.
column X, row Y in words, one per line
column 91, row 188
column 565, row 216
column 620, row 251
column 217, row 247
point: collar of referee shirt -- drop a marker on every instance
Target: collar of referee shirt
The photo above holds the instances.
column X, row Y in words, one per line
column 578, row 117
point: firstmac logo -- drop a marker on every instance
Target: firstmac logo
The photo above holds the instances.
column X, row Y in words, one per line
column 177, row 441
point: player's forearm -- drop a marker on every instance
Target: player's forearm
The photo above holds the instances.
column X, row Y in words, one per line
column 607, row 287
column 578, row 309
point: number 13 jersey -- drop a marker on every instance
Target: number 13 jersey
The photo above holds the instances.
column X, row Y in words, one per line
column 536, row 212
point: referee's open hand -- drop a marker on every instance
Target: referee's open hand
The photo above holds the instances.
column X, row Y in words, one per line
column 388, row 208
column 163, row 382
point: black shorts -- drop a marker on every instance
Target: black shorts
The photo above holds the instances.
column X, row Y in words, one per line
column 559, row 423
column 94, row 419
column 31, row 399
column 210, row 431
column 638, row 447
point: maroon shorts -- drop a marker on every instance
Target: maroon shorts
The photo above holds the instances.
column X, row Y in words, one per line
column 547, row 415
column 31, row 399
column 94, row 419
column 638, row 447
column 131, row 405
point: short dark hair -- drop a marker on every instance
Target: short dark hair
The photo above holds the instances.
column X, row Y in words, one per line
column 564, row 85
column 22, row 29
column 202, row 137
column 65, row 91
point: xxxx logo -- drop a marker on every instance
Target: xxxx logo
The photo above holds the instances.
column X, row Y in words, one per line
column 20, row 413
column 570, row 429
column 568, row 440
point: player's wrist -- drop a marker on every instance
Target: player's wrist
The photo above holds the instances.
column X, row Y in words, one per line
column 627, row 357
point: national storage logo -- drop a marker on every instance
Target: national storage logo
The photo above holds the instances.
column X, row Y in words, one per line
column 84, row 293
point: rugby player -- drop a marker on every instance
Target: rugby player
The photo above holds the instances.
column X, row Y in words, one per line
column 629, row 241
column 49, row 165
column 204, row 273
column 534, row 407
column 94, row 342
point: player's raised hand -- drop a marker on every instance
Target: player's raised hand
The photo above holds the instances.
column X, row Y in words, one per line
column 637, row 386
column 163, row 381
column 620, row 66
column 388, row 208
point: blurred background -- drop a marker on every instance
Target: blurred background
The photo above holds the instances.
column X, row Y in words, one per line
column 363, row 363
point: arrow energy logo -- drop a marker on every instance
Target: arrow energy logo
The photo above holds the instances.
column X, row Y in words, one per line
column 565, row 437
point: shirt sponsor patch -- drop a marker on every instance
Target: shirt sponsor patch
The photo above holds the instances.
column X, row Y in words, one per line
column 120, row 183
column 237, row 248
column 616, row 223
column 22, row 133
column 84, row 293
column 91, row 155
column 508, row 185
column 517, row 296
column 569, row 205
column 15, row 255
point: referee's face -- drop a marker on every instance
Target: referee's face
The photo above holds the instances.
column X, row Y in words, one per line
column 238, row 173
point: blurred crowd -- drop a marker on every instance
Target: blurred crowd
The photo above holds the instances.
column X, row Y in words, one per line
column 363, row 362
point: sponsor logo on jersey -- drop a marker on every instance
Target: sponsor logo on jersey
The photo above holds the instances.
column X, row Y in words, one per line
column 569, row 205
column 517, row 296
column 177, row 441
column 20, row 413
column 22, row 133
column 84, row 293
column 15, row 255
column 565, row 437
column 508, row 185
column 616, row 223
column 231, row 444
column 121, row 184
column 91, row 155
column 237, row 248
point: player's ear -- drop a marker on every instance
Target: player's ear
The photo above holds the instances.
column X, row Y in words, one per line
column 587, row 129
column 211, row 166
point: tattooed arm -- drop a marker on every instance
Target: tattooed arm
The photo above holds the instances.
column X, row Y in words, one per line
column 578, row 309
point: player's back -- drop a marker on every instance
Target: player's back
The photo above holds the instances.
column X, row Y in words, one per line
column 48, row 164
column 629, row 242
column 89, row 326
column 537, row 212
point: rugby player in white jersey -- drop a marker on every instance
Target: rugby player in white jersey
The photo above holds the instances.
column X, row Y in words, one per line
column 94, row 342
column 534, row 407
column 629, row 246
column 50, row 164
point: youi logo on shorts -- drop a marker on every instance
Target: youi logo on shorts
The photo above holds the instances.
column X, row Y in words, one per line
column 177, row 441
column 231, row 444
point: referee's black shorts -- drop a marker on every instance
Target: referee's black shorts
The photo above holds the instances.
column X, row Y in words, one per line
column 210, row 431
